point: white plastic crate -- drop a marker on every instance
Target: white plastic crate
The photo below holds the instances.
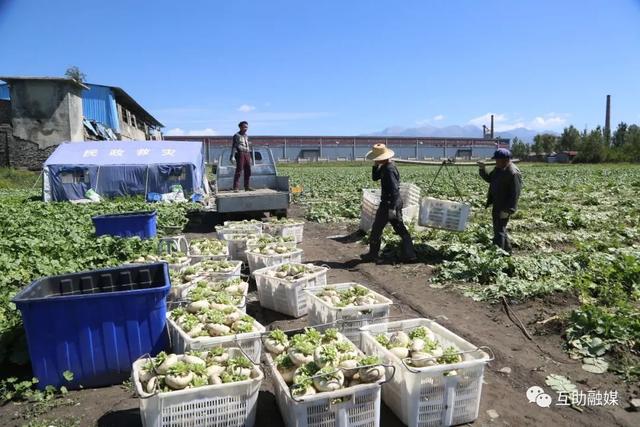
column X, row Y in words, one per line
column 175, row 293
column 444, row 214
column 258, row 261
column 237, row 247
column 249, row 342
column 200, row 258
column 184, row 297
column 410, row 194
column 286, row 296
column 171, row 244
column 356, row 406
column 243, row 224
column 348, row 319
column 370, row 207
column 232, row 404
column 185, row 290
column 216, row 276
column 295, row 230
column 240, row 228
column 252, row 244
column 425, row 397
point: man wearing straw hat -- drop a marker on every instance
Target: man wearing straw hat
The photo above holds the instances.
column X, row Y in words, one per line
column 390, row 208
column 505, row 182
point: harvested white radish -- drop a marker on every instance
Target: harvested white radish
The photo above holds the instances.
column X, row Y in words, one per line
column 197, row 306
column 169, row 362
column 401, row 352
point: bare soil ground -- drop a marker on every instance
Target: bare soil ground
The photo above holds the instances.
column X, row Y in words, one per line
column 480, row 323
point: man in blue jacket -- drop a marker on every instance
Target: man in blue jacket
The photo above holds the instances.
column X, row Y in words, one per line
column 505, row 183
column 390, row 208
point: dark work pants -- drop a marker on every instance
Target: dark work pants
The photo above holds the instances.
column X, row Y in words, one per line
column 243, row 163
column 381, row 220
column 500, row 236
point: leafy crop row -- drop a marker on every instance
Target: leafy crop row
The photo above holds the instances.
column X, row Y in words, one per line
column 41, row 239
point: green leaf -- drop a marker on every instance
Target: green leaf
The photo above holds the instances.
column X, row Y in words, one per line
column 68, row 375
column 595, row 365
column 561, row 384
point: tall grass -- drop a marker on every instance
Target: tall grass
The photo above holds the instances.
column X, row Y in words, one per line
column 17, row 179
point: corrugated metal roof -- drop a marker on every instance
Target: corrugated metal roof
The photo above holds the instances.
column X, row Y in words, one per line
column 4, row 92
column 125, row 99
column 99, row 104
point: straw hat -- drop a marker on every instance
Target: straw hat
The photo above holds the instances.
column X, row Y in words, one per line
column 380, row 152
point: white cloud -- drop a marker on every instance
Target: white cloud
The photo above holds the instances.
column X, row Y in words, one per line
column 547, row 122
column 245, row 108
column 175, row 132
column 207, row 131
column 192, row 132
column 503, row 122
column 425, row 122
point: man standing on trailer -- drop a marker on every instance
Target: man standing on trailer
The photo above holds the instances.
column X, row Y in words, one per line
column 390, row 208
column 505, row 183
column 241, row 151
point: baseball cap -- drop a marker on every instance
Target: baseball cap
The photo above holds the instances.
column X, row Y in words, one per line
column 502, row 153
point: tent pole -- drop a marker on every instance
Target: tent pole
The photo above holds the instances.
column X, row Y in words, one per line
column 97, row 179
column 37, row 179
column 146, row 183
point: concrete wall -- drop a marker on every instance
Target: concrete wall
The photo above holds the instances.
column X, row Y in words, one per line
column 46, row 112
column 5, row 112
column 17, row 152
column 131, row 133
column 128, row 131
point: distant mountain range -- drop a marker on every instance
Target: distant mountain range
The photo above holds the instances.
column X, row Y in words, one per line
column 467, row 131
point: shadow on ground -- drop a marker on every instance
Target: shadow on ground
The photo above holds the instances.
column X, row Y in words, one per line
column 125, row 417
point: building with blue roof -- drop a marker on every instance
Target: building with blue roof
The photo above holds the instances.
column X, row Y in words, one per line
column 37, row 113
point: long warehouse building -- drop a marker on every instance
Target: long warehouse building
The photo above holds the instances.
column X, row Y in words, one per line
column 347, row 148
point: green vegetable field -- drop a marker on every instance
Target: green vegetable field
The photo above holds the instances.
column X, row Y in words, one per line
column 577, row 231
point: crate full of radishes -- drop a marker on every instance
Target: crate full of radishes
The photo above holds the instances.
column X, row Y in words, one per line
column 270, row 255
column 348, row 305
column 201, row 327
column 281, row 288
column 208, row 249
column 204, row 294
column 438, row 378
column 323, row 379
column 218, row 269
column 210, row 388
column 285, row 227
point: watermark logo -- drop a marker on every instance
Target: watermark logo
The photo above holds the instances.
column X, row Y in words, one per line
column 536, row 394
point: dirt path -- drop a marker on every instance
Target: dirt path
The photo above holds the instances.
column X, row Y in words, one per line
column 479, row 323
column 482, row 324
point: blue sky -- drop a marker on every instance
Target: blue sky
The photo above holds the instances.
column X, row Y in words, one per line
column 341, row 67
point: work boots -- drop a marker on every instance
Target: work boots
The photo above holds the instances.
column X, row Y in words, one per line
column 407, row 251
column 374, row 250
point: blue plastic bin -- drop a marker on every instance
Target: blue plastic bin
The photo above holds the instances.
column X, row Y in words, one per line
column 94, row 324
column 128, row 224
